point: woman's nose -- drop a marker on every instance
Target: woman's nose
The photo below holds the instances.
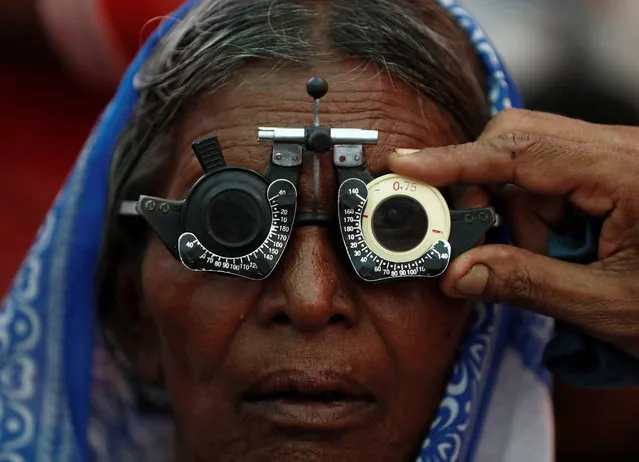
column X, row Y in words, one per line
column 311, row 285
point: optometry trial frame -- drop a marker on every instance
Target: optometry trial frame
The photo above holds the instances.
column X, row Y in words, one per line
column 237, row 221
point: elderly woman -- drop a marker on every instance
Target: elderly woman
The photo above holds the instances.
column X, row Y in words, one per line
column 310, row 362
column 307, row 359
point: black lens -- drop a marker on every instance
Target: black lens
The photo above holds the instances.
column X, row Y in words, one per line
column 234, row 218
column 399, row 223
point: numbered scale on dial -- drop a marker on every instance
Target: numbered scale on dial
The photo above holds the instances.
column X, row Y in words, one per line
column 282, row 197
column 369, row 265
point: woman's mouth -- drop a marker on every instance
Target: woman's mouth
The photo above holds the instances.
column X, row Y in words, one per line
column 318, row 401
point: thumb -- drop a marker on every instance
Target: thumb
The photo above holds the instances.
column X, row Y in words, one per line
column 515, row 276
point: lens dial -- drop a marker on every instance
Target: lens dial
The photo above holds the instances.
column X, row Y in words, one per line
column 394, row 227
column 238, row 229
column 399, row 223
column 234, row 220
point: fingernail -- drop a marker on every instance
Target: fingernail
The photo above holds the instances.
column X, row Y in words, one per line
column 474, row 283
column 406, row 152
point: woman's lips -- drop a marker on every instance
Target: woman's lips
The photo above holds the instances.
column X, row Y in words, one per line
column 312, row 401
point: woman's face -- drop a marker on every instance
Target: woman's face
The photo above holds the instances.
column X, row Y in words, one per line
column 311, row 364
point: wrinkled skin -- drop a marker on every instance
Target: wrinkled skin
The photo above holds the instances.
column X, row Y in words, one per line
column 215, row 335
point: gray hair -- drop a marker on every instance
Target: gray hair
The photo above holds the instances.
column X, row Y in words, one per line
column 413, row 40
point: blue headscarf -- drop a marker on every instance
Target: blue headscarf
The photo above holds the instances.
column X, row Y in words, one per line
column 58, row 398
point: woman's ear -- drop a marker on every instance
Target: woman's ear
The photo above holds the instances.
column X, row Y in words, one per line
column 469, row 197
column 148, row 358
column 134, row 331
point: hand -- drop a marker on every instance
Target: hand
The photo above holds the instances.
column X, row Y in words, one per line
column 551, row 165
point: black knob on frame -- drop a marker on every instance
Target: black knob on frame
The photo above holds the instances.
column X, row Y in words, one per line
column 319, row 139
column 317, row 87
column 209, row 152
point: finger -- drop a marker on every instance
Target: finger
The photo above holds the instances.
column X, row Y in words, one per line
column 570, row 292
column 542, row 165
column 546, row 124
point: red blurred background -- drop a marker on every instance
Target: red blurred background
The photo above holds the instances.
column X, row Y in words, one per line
column 48, row 107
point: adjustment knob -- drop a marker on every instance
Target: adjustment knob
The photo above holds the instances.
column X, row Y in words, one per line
column 317, row 87
column 319, row 139
column 209, row 153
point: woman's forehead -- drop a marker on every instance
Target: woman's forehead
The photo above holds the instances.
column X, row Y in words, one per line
column 359, row 96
